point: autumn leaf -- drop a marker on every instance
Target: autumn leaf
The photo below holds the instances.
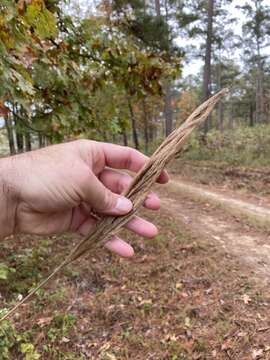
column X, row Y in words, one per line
column 3, row 109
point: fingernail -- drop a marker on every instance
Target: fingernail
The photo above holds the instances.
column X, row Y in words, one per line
column 123, row 205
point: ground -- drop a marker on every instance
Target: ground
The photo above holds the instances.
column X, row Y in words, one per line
column 200, row 290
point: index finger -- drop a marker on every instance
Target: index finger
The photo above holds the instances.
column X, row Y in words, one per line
column 124, row 157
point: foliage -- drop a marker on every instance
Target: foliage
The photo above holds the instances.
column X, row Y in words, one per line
column 243, row 145
column 191, row 17
column 138, row 19
column 11, row 342
column 15, row 342
column 29, row 351
column 21, row 271
column 256, row 29
column 8, row 338
column 56, row 71
column 186, row 104
column 5, row 271
column 60, row 326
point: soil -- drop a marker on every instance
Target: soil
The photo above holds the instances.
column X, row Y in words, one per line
column 252, row 181
column 200, row 290
column 207, row 214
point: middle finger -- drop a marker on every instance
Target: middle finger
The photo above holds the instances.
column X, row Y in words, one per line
column 118, row 181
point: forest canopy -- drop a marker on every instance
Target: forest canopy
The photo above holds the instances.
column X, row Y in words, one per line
column 113, row 70
column 63, row 76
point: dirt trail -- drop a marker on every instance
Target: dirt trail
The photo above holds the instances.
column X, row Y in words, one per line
column 254, row 209
column 227, row 220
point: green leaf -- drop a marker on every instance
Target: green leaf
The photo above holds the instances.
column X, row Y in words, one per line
column 29, row 351
column 5, row 271
column 42, row 20
column 24, row 85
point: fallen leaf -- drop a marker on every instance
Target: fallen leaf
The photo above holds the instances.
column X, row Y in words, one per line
column 187, row 321
column 3, row 109
column 246, row 299
column 65, row 340
column 110, row 356
column 146, row 302
column 257, row 354
column 178, row 285
column 44, row 321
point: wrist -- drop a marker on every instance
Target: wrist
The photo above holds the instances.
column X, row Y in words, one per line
column 8, row 197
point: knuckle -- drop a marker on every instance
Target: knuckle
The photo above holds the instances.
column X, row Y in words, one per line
column 124, row 183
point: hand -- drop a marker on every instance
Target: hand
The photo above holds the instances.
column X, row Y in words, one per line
column 53, row 190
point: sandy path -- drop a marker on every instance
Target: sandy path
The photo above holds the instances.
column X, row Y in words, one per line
column 252, row 211
column 214, row 216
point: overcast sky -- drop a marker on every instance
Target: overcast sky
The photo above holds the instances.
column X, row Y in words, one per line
column 192, row 67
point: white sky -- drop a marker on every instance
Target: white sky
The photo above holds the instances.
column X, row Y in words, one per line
column 194, row 66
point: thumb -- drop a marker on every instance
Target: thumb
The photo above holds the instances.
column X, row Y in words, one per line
column 104, row 200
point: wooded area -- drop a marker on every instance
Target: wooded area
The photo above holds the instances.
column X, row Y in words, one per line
column 112, row 70
column 130, row 72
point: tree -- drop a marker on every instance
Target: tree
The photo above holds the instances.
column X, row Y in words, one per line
column 208, row 57
column 168, row 111
column 256, row 36
column 56, row 72
column 153, row 31
column 207, row 22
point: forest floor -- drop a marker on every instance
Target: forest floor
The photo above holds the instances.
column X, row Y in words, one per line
column 200, row 290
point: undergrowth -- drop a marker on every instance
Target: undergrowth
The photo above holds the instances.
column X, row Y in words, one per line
column 239, row 146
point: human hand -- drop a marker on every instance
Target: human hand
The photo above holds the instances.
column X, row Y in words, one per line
column 53, row 190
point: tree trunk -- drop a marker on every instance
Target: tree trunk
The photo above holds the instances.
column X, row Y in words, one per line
column 41, row 140
column 168, row 112
column 207, row 61
column 134, row 125
column 167, row 87
column 19, row 136
column 251, row 115
column 9, row 127
column 220, row 108
column 28, row 144
column 151, row 127
column 259, row 112
column 146, row 128
column 157, row 7
column 220, row 111
column 125, row 138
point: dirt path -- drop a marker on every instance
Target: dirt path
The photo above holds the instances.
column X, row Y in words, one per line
column 229, row 221
column 254, row 209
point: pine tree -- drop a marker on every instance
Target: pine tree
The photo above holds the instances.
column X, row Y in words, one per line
column 256, row 36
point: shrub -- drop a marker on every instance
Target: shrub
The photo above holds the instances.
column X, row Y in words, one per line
column 240, row 146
